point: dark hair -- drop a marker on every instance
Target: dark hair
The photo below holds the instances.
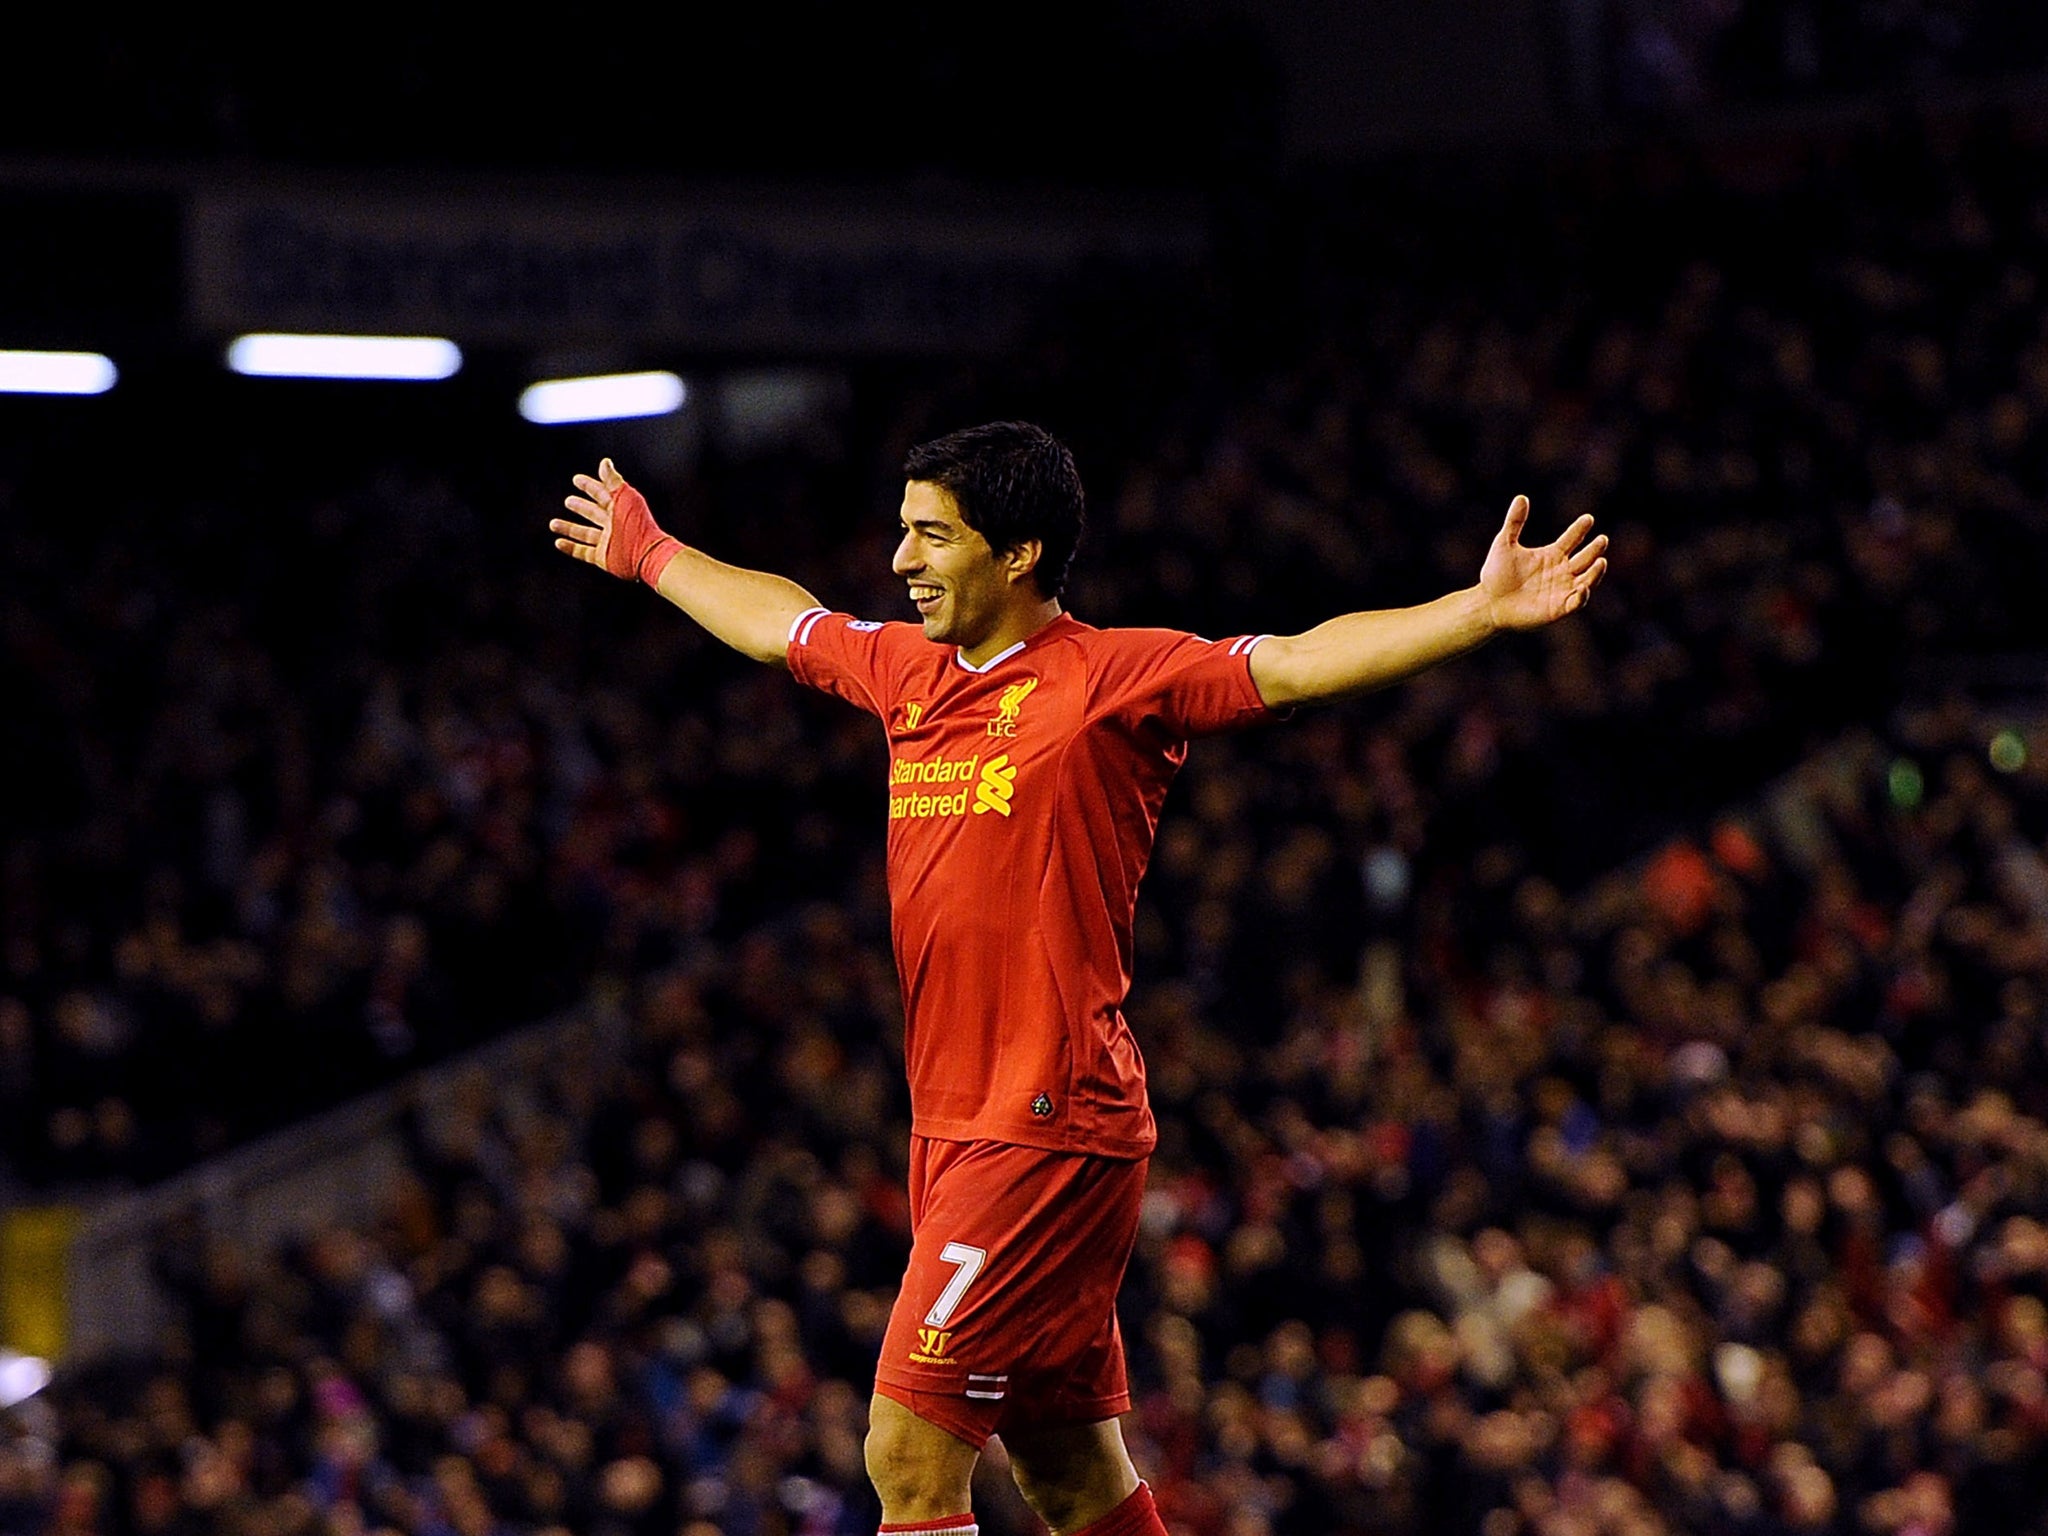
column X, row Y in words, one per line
column 1012, row 482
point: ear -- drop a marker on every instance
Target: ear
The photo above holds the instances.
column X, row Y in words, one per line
column 1021, row 559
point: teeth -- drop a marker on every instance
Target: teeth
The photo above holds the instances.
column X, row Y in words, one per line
column 919, row 594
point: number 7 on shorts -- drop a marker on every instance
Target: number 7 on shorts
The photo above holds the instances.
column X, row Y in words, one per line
column 966, row 1261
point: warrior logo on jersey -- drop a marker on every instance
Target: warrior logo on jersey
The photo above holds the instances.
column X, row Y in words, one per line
column 912, row 713
column 1008, row 706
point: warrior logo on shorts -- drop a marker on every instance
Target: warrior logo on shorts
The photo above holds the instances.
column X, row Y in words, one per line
column 931, row 1347
column 1042, row 1106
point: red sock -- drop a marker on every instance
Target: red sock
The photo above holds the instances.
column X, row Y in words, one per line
column 948, row 1525
column 1136, row 1516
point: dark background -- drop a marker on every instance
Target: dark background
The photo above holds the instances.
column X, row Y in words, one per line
column 1687, row 919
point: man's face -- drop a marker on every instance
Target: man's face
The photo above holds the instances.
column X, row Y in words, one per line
column 958, row 584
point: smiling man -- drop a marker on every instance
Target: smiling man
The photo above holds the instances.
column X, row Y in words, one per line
column 1029, row 757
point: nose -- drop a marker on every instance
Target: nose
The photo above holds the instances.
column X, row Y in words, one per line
column 906, row 561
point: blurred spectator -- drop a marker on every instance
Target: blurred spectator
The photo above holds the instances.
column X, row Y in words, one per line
column 1667, row 57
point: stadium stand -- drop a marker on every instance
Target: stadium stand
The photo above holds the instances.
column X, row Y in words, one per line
column 1600, row 1084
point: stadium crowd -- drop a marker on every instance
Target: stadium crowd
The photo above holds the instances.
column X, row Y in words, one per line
column 1497, row 1192
column 1677, row 56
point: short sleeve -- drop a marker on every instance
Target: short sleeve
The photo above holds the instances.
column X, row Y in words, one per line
column 857, row 660
column 1191, row 686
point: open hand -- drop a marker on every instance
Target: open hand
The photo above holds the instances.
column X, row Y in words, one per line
column 1527, row 588
column 618, row 532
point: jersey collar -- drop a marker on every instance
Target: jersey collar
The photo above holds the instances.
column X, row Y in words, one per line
column 1000, row 657
column 993, row 662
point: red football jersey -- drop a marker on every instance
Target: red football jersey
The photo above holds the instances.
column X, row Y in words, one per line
column 1023, row 798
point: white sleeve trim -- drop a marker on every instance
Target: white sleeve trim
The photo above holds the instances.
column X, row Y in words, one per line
column 1244, row 645
column 801, row 626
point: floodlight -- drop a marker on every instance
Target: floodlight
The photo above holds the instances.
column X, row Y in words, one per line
column 273, row 355
column 56, row 373
column 21, row 1377
column 602, row 397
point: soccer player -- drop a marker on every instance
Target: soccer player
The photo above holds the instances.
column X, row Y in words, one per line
column 1029, row 756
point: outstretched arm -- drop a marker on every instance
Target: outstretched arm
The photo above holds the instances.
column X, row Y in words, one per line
column 751, row 611
column 1518, row 588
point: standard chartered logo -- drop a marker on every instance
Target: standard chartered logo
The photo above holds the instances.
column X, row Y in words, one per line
column 997, row 783
column 949, row 786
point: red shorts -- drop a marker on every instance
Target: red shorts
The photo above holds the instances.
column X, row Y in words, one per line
column 1008, row 1309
